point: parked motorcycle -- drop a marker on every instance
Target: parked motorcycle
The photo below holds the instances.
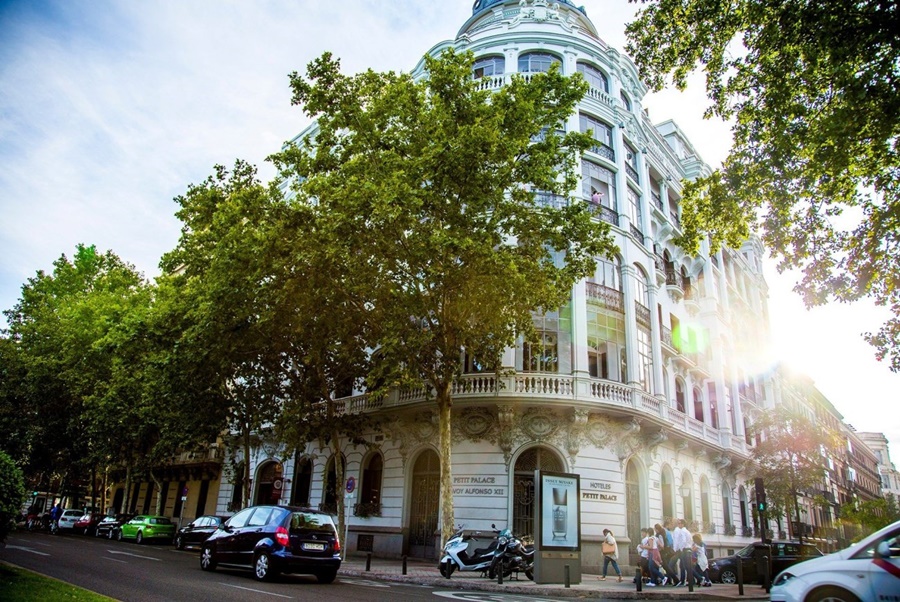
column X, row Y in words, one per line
column 462, row 552
column 512, row 556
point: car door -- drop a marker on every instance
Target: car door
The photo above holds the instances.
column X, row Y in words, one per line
column 882, row 566
column 255, row 529
column 227, row 542
column 130, row 528
column 196, row 532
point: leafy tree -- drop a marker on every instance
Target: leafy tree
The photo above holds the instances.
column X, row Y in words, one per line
column 872, row 515
column 217, row 285
column 12, row 493
column 428, row 188
column 790, row 458
column 812, row 90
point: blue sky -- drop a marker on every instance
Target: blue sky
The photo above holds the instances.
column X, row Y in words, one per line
column 109, row 109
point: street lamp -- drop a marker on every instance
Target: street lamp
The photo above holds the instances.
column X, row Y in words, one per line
column 685, row 490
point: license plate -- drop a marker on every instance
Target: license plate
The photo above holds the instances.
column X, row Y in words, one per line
column 317, row 547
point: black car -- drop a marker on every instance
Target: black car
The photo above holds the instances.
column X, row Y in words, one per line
column 782, row 554
column 109, row 525
column 198, row 531
column 276, row 539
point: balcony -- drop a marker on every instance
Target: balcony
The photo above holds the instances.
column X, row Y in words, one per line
column 606, row 297
column 674, row 283
column 606, row 214
column 605, row 151
column 657, row 201
column 637, row 234
column 642, row 315
column 632, row 173
column 549, row 199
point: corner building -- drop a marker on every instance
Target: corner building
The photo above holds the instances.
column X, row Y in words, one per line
column 641, row 384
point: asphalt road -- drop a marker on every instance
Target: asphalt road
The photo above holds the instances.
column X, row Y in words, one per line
column 157, row 573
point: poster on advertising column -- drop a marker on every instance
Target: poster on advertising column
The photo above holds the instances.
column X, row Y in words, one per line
column 560, row 527
column 557, row 557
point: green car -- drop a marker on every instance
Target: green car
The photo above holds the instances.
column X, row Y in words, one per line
column 147, row 528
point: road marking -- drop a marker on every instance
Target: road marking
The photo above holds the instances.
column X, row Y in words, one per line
column 134, row 555
column 486, row 597
column 29, row 550
column 363, row 582
column 116, row 560
column 258, row 591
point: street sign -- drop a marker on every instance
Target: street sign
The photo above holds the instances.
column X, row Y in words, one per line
column 351, row 484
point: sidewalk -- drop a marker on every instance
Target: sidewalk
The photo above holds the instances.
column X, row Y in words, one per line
column 426, row 572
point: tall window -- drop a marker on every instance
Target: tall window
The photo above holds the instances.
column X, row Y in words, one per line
column 536, row 62
column 713, row 405
column 487, row 66
column 679, row 395
column 645, row 358
column 641, row 288
column 698, row 405
column 704, row 502
column 626, row 102
column 687, row 501
column 594, row 77
column 608, row 274
column 594, row 177
column 667, row 490
column 602, row 133
column 370, row 491
column 542, row 354
column 301, row 482
column 332, row 489
column 634, row 209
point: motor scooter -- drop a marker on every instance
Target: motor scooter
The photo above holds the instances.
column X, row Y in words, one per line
column 462, row 552
column 512, row 556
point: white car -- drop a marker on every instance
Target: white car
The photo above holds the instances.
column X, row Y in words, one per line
column 868, row 570
column 68, row 518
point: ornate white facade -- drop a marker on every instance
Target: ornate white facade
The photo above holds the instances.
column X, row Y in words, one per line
column 642, row 383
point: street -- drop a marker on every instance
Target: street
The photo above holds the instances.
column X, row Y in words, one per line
column 151, row 573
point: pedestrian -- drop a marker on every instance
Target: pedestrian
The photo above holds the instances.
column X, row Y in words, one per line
column 654, row 559
column 681, row 545
column 55, row 513
column 644, row 554
column 665, row 547
column 701, row 562
column 610, row 550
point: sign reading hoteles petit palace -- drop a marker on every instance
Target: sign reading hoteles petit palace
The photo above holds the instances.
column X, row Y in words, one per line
column 557, row 546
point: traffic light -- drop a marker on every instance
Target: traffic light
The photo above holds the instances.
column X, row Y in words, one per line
column 760, row 496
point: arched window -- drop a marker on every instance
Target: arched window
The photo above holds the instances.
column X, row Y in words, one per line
column 745, row 514
column 668, row 493
column 594, row 77
column 698, row 404
column 301, row 483
column 687, row 495
column 705, row 514
column 536, row 62
column 625, row 101
column 601, row 132
column 487, row 66
column 679, row 395
column 370, row 490
column 726, row 506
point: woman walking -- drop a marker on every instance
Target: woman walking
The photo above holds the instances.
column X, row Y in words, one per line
column 610, row 550
column 701, row 564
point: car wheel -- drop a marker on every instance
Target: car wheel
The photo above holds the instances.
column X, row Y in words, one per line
column 87, row 531
column 119, row 535
column 831, row 594
column 208, row 559
column 728, row 576
column 179, row 543
column 326, row 577
column 262, row 568
column 139, row 538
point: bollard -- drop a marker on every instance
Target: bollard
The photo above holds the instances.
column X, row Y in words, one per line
column 404, row 564
column 767, row 578
column 568, row 583
column 638, row 580
column 740, row 577
column 690, row 574
column 368, row 562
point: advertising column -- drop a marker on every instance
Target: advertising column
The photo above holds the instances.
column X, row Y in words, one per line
column 557, row 546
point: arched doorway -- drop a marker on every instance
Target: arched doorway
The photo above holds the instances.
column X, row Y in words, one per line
column 302, row 481
column 423, row 505
column 536, row 458
column 633, row 507
column 266, row 477
column 331, row 487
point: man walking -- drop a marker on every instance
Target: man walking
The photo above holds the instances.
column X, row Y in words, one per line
column 681, row 544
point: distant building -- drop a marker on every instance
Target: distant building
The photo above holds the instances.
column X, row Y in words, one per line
column 890, row 477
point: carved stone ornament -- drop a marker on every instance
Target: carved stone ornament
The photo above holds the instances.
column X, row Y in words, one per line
column 540, row 423
column 412, row 430
column 475, row 424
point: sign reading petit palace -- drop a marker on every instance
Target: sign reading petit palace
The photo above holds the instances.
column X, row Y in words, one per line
column 598, row 491
column 475, row 485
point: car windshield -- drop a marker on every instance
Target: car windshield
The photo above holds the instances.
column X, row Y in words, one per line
column 746, row 552
column 307, row 521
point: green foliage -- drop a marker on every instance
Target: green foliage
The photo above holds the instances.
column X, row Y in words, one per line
column 12, row 493
column 872, row 515
column 791, row 458
column 425, row 192
column 19, row 585
column 811, row 89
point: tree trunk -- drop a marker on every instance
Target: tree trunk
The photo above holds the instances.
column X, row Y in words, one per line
column 447, row 519
column 103, row 508
column 797, row 516
column 339, row 485
column 159, row 495
column 127, row 499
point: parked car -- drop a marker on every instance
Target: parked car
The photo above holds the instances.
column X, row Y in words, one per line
column 109, row 525
column 197, row 531
column 87, row 524
column 68, row 518
column 782, row 553
column 868, row 570
column 143, row 528
column 276, row 539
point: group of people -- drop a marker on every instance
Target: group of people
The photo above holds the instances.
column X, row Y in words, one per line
column 668, row 556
